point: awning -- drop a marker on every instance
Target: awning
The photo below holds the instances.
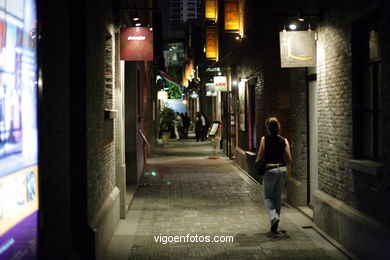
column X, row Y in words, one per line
column 169, row 78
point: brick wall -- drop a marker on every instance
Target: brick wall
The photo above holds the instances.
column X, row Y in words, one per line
column 100, row 85
column 362, row 191
column 298, row 120
column 334, row 109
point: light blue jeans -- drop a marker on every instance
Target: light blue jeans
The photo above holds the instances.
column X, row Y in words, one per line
column 273, row 181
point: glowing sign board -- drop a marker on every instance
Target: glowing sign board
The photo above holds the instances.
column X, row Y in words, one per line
column 211, row 43
column 136, row 44
column 18, row 130
column 297, row 49
column 211, row 10
column 232, row 15
column 220, row 83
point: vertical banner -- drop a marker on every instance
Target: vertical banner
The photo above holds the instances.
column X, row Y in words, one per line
column 211, row 10
column 232, row 15
column 297, row 49
column 242, row 105
column 136, row 44
column 211, row 43
column 18, row 130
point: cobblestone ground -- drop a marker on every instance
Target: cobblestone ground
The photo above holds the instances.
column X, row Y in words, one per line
column 188, row 193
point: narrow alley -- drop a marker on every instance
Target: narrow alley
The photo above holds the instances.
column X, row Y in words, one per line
column 189, row 190
column 139, row 129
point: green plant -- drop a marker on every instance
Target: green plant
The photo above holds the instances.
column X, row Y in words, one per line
column 174, row 91
column 167, row 115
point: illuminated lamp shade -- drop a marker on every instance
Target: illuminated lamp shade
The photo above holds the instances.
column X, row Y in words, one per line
column 184, row 102
column 162, row 95
column 292, row 26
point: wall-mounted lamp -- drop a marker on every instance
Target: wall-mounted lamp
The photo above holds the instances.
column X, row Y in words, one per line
column 292, row 26
column 235, row 83
column 136, row 16
column 300, row 16
column 138, row 24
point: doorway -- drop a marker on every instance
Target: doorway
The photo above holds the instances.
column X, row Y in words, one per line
column 312, row 137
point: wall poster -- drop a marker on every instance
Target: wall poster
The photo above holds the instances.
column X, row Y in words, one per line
column 242, row 105
column 18, row 130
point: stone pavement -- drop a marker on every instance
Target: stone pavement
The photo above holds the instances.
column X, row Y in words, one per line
column 187, row 193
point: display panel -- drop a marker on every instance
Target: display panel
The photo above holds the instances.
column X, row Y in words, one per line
column 18, row 130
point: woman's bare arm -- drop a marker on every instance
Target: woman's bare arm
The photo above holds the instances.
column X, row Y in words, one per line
column 260, row 154
column 287, row 152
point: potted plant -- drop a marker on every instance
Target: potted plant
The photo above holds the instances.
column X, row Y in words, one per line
column 167, row 115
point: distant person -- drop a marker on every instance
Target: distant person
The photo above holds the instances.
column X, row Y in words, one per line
column 178, row 124
column 275, row 150
column 186, row 125
column 206, row 125
column 200, row 123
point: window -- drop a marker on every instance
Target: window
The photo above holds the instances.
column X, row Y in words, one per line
column 366, row 69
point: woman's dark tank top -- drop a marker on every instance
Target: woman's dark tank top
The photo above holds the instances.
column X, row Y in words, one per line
column 274, row 149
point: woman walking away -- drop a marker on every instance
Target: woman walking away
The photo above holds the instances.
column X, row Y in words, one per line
column 275, row 150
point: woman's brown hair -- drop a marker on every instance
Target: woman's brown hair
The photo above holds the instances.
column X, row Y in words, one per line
column 273, row 125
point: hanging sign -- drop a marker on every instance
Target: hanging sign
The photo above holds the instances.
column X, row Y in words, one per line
column 211, row 43
column 220, row 83
column 232, row 15
column 211, row 10
column 297, row 49
column 210, row 90
column 136, row 44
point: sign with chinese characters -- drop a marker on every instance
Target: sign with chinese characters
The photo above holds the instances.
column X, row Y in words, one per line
column 136, row 44
column 211, row 10
column 220, row 83
column 19, row 198
column 232, row 15
column 211, row 43
column 297, row 49
column 210, row 90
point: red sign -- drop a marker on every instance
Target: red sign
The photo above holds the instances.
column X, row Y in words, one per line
column 136, row 44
